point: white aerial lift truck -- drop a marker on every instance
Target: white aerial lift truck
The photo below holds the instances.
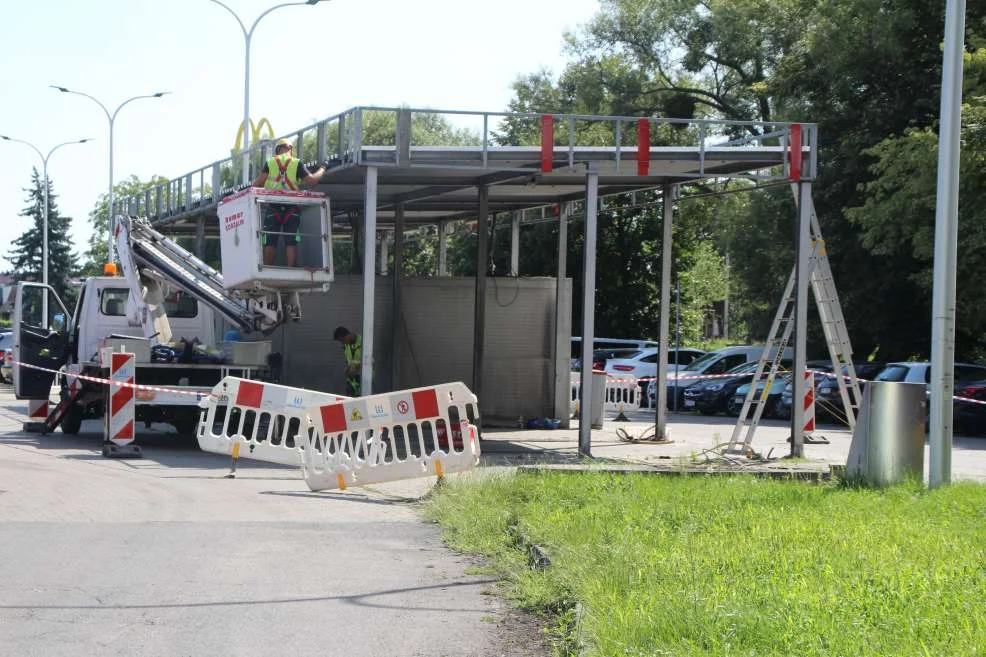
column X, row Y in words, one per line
column 165, row 307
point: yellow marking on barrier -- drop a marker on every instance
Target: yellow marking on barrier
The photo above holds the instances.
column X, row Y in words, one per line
column 341, row 481
column 236, row 451
column 438, row 468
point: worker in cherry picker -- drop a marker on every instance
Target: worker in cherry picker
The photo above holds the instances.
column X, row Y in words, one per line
column 284, row 171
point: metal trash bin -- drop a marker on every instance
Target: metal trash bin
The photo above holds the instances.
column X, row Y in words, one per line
column 598, row 398
column 888, row 443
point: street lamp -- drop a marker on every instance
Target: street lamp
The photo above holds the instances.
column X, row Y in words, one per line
column 111, row 118
column 44, row 209
column 247, row 35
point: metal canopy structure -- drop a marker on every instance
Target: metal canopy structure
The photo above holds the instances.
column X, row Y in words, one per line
column 388, row 171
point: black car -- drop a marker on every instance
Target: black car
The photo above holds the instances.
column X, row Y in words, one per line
column 712, row 396
column 828, row 399
column 969, row 410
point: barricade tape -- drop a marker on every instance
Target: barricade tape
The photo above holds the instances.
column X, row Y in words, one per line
column 829, row 375
column 120, row 384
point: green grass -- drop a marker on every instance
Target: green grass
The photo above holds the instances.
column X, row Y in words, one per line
column 650, row 565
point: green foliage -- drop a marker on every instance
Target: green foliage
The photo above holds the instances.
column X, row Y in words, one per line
column 95, row 255
column 27, row 251
column 733, row 566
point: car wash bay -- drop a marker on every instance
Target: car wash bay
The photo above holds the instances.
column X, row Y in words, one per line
column 421, row 331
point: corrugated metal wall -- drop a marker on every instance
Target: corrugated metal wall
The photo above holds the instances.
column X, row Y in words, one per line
column 436, row 344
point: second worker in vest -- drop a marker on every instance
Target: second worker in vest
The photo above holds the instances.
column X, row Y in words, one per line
column 284, row 171
column 352, row 351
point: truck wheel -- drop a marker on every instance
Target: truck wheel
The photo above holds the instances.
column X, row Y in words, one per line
column 72, row 421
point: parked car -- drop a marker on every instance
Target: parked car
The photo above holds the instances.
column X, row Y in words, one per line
column 602, row 356
column 969, row 417
column 6, row 357
column 644, row 362
column 713, row 363
column 712, row 396
column 823, row 409
column 607, row 343
column 828, row 400
column 771, row 405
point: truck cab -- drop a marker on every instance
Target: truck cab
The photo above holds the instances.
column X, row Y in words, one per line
column 105, row 308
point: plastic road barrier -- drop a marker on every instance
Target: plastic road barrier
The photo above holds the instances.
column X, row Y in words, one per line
column 264, row 418
column 392, row 436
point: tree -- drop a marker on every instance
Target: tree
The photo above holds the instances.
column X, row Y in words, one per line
column 27, row 253
column 95, row 256
column 897, row 224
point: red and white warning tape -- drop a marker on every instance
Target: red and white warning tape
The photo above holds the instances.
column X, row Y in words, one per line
column 121, row 384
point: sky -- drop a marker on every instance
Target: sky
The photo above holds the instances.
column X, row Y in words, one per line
column 306, row 63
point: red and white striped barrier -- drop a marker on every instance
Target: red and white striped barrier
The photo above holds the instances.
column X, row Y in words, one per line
column 121, row 402
column 37, row 410
column 264, row 418
column 808, row 404
column 393, row 436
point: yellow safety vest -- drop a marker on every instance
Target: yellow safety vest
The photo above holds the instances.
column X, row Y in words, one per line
column 282, row 172
column 353, row 353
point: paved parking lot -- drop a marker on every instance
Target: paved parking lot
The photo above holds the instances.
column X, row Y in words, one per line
column 164, row 555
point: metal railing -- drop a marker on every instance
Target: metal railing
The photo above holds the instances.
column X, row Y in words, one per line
column 404, row 137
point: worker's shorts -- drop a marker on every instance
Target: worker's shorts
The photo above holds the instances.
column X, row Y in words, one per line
column 281, row 221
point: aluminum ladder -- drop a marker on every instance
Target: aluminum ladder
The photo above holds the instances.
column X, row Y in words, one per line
column 836, row 338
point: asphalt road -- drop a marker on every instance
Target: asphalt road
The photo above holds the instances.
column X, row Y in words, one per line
column 165, row 556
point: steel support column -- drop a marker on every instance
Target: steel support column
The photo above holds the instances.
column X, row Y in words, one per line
column 588, row 310
column 200, row 239
column 442, row 248
column 661, row 400
column 802, row 275
column 482, row 255
column 515, row 244
column 561, row 351
column 384, row 253
column 369, row 278
column 398, row 322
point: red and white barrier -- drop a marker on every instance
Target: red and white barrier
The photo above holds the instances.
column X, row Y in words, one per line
column 622, row 393
column 397, row 435
column 264, row 418
column 122, row 405
column 809, row 402
column 37, row 410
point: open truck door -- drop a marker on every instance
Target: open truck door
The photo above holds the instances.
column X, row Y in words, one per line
column 41, row 337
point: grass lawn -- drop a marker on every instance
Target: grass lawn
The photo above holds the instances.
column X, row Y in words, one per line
column 656, row 565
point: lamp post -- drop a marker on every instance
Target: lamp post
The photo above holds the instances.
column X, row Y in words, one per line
column 44, row 207
column 111, row 118
column 247, row 35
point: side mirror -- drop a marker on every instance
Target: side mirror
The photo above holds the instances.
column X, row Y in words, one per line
column 58, row 322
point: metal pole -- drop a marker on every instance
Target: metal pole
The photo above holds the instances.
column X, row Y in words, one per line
column 398, row 305
column 588, row 310
column 562, row 350
column 110, row 217
column 946, row 236
column 246, row 105
column 515, row 245
column 677, row 332
column 111, row 118
column 369, row 279
column 482, row 255
column 44, row 208
column 802, row 274
column 661, row 399
column 442, row 248
column 247, row 35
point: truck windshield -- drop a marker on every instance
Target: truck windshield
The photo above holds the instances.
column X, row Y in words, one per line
column 177, row 305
